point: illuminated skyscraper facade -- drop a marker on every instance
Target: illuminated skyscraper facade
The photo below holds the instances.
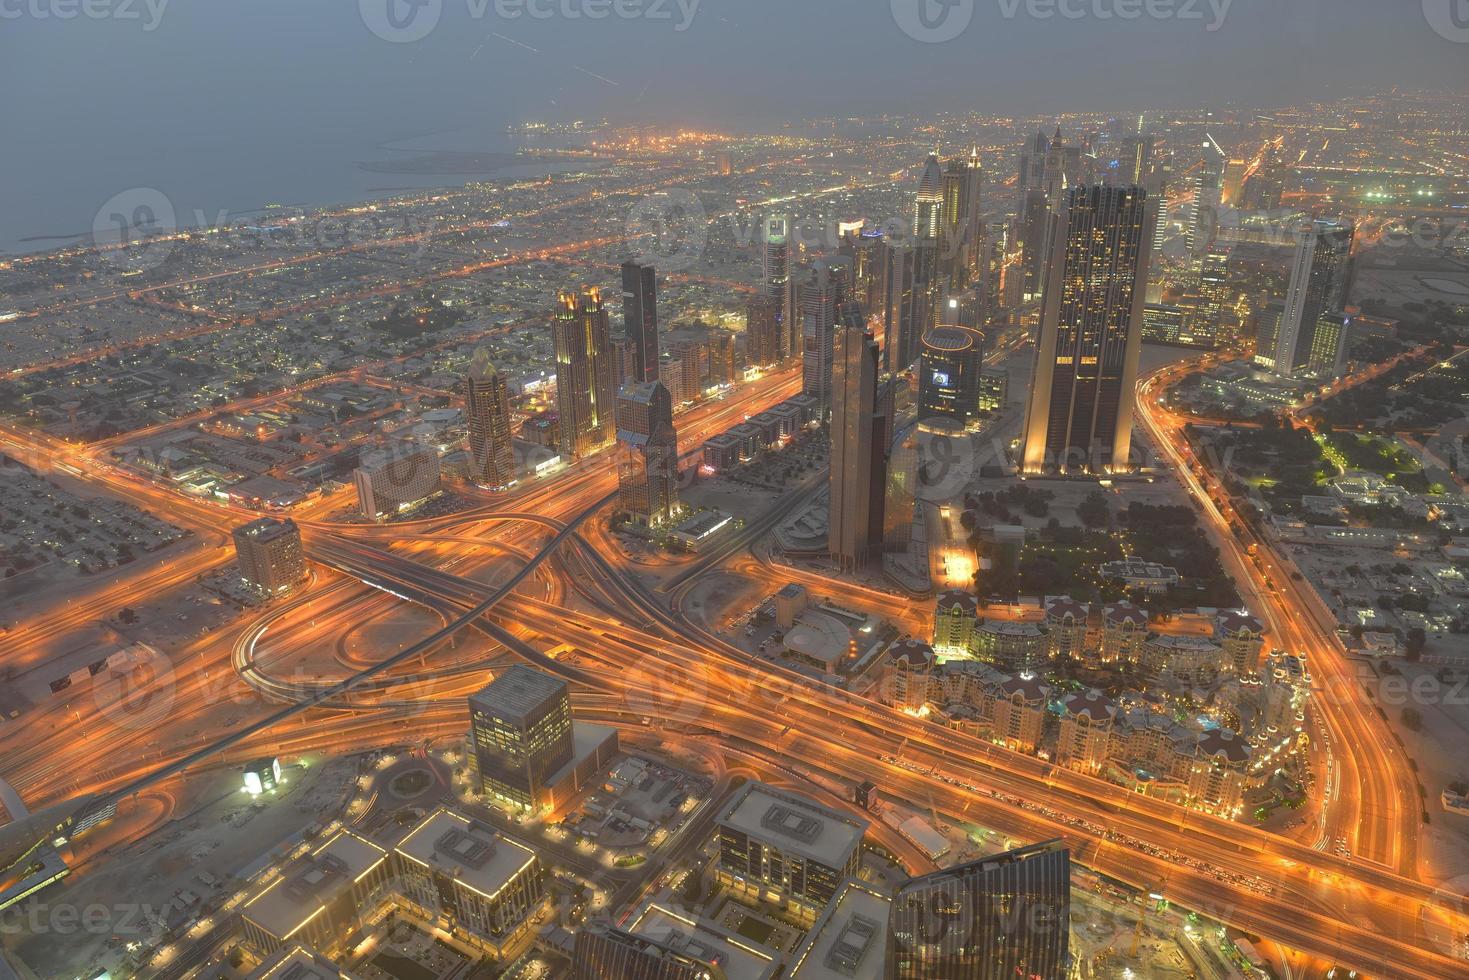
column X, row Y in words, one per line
column 584, row 388
column 1319, row 280
column 520, row 734
column 1082, row 396
column 270, row 555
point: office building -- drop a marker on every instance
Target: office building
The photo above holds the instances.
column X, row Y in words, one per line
column 487, row 417
column 1319, row 281
column 994, row 388
column 1203, row 209
column 961, row 231
column 949, row 376
column 1329, row 343
column 999, row 918
column 849, row 941
column 777, row 269
column 859, row 439
column 269, row 552
column 319, row 899
column 823, row 289
column 521, row 735
column 912, row 307
column 787, row 849
column 584, row 392
column 647, row 464
column 867, row 252
column 1035, row 217
column 396, row 478
column 604, row 952
column 640, row 320
column 1267, row 334
column 482, row 887
column 293, row 962
column 1080, row 411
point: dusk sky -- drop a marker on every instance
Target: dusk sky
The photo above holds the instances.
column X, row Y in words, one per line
column 268, row 96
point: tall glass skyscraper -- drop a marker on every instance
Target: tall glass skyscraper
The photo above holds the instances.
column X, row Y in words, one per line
column 487, row 415
column 1319, row 279
column 640, row 318
column 584, row 387
column 1082, row 394
column 1003, row 917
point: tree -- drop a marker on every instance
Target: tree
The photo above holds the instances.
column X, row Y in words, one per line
column 1416, row 641
column 1094, row 511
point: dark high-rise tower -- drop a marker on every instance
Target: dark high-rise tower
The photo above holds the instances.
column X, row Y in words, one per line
column 487, row 416
column 1082, row 394
column 820, row 293
column 584, row 389
column 1319, row 279
column 762, row 330
column 948, row 376
column 647, row 465
column 640, row 319
column 860, row 429
column 1004, row 917
column 777, row 262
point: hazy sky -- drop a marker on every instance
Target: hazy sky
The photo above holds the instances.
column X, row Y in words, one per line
column 266, row 91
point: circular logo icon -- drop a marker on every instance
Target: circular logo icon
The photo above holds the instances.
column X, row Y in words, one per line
column 941, row 463
column 668, row 230
column 933, row 21
column 135, row 691
column 665, row 692
column 401, row 21
column 1448, row 18
column 133, row 228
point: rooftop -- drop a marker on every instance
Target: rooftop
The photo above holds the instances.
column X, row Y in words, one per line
column 849, row 941
column 519, row 692
column 308, row 885
column 795, row 824
column 472, row 854
column 739, row 958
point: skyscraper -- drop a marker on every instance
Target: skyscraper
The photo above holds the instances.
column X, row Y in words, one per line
column 640, row 319
column 961, row 231
column 647, row 465
column 928, row 203
column 777, row 263
column 859, row 439
column 948, row 377
column 520, row 733
column 270, row 555
column 1035, row 221
column 1319, row 279
column 1203, row 209
column 1032, row 167
column 820, row 293
column 487, row 417
column 762, row 330
column 395, row 478
column 584, row 391
column 1082, row 394
column 999, row 918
